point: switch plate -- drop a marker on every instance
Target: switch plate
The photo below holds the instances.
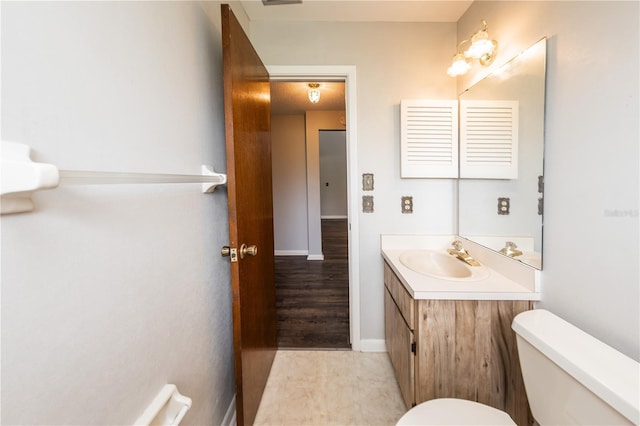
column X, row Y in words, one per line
column 541, row 184
column 407, row 204
column 504, row 205
column 367, row 181
column 367, row 203
column 540, row 206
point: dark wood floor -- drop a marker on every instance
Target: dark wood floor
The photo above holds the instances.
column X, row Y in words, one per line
column 312, row 296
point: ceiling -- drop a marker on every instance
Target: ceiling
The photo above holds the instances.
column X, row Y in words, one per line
column 359, row 10
column 291, row 97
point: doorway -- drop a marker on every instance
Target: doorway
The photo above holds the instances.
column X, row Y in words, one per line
column 344, row 74
column 333, row 175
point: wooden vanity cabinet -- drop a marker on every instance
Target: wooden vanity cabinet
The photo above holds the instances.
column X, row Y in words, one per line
column 455, row 349
column 399, row 314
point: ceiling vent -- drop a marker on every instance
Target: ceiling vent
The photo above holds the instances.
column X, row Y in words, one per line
column 276, row 2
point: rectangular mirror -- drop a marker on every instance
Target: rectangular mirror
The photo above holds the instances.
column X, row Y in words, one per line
column 496, row 212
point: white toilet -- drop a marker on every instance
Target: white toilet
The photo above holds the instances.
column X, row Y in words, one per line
column 570, row 377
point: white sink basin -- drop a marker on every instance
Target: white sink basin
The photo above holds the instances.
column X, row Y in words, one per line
column 442, row 266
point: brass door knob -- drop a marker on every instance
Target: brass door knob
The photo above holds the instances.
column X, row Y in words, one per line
column 248, row 250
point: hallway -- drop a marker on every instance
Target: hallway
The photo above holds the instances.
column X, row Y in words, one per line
column 312, row 297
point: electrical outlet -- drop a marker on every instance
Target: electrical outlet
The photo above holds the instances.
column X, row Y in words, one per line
column 407, row 204
column 367, row 203
column 504, row 204
column 367, row 181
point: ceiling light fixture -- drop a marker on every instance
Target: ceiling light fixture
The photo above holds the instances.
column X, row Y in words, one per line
column 481, row 48
column 314, row 93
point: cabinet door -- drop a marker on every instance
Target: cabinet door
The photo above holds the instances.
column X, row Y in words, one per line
column 428, row 138
column 467, row 349
column 489, row 139
column 399, row 339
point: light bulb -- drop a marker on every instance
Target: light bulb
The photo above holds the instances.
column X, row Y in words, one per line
column 314, row 93
column 459, row 65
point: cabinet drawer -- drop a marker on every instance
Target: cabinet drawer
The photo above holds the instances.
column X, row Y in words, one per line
column 400, row 296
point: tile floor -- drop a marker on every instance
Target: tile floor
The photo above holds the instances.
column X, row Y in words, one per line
column 317, row 388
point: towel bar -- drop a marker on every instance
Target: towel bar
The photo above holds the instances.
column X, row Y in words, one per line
column 21, row 177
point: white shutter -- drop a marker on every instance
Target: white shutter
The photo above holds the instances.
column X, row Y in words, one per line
column 429, row 139
column 489, row 139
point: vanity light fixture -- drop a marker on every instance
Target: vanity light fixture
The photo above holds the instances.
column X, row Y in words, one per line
column 314, row 93
column 460, row 64
column 481, row 48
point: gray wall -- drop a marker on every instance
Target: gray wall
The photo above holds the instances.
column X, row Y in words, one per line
column 591, row 198
column 299, row 194
column 394, row 61
column 289, row 184
column 111, row 291
column 591, row 244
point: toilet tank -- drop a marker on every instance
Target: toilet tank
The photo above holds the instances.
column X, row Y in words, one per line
column 571, row 378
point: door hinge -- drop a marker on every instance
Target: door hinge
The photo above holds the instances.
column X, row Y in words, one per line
column 413, row 347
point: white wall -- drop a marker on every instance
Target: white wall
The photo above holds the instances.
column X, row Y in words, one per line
column 109, row 292
column 393, row 61
column 333, row 174
column 591, row 245
column 289, row 184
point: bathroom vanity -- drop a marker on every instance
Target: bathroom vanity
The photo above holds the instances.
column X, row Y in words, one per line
column 451, row 337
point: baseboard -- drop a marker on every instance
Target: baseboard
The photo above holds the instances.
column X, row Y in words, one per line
column 230, row 415
column 372, row 345
column 334, row 217
column 291, row 252
column 315, row 257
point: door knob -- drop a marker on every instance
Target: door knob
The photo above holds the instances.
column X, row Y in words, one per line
column 248, row 250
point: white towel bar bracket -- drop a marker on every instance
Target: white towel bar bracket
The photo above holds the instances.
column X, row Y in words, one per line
column 21, row 177
column 167, row 408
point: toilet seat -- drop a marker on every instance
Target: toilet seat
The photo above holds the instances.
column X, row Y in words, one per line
column 451, row 411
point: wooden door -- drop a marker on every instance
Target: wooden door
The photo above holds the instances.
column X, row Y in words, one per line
column 248, row 142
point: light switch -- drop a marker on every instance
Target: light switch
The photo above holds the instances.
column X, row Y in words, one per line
column 367, row 181
column 367, row 203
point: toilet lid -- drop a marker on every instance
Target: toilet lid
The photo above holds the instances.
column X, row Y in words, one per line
column 449, row 411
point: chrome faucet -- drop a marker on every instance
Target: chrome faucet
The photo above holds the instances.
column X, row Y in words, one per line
column 511, row 249
column 462, row 254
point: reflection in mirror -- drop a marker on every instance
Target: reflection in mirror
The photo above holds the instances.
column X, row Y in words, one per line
column 484, row 216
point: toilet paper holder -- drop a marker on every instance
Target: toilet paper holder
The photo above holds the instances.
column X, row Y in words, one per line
column 167, row 408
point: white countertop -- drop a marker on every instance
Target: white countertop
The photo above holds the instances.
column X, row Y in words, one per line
column 419, row 286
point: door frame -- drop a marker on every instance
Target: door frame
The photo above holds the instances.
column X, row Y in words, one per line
column 346, row 73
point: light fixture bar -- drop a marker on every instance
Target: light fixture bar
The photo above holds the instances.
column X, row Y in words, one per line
column 481, row 48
